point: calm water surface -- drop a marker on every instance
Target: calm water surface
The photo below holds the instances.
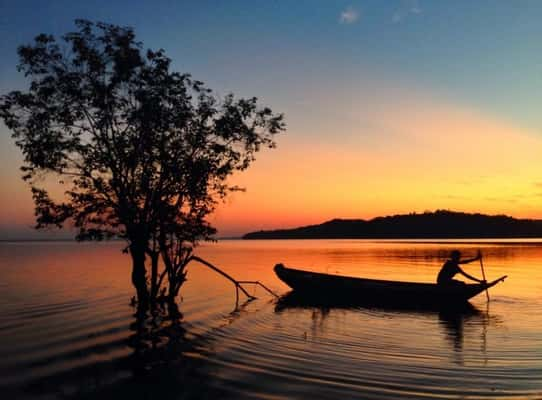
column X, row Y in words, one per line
column 66, row 326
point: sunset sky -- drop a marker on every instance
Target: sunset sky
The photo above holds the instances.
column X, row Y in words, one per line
column 391, row 106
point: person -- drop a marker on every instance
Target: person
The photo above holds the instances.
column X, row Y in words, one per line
column 451, row 268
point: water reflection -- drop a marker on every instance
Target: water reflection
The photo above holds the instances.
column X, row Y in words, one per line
column 293, row 299
column 76, row 337
column 453, row 324
column 453, row 319
column 162, row 363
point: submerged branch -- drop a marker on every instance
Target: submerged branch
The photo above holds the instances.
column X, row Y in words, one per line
column 258, row 283
column 235, row 282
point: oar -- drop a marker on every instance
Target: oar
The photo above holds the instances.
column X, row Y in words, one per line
column 483, row 273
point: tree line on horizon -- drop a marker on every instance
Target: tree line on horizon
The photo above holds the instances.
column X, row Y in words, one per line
column 427, row 225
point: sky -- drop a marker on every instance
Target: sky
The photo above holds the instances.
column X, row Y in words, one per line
column 391, row 106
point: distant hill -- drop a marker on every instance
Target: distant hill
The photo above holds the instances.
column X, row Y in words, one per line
column 439, row 224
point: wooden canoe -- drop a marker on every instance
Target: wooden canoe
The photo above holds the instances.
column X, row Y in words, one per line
column 381, row 291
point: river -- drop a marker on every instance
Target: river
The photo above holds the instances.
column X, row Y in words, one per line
column 67, row 327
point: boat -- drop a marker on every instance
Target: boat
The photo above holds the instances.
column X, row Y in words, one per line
column 334, row 287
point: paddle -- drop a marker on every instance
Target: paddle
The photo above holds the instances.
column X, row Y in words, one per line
column 483, row 273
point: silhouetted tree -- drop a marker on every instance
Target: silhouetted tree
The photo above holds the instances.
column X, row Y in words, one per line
column 144, row 153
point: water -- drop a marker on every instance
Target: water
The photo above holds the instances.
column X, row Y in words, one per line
column 66, row 326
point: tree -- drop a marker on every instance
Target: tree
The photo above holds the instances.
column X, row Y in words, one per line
column 143, row 153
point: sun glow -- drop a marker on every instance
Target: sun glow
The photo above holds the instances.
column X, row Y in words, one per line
column 390, row 156
column 376, row 149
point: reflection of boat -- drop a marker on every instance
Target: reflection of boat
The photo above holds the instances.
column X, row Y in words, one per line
column 328, row 286
column 453, row 318
column 303, row 300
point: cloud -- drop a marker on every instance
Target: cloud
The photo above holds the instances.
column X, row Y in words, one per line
column 405, row 9
column 349, row 16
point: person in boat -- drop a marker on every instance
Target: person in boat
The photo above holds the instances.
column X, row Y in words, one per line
column 451, row 268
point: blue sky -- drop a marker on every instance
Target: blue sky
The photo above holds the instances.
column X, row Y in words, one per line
column 330, row 66
column 486, row 53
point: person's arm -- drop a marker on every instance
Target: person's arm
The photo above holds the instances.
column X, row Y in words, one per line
column 478, row 256
column 472, row 278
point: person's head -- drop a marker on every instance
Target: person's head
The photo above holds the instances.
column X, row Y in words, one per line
column 455, row 255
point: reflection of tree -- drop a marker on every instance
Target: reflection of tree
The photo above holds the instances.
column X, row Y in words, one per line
column 160, row 364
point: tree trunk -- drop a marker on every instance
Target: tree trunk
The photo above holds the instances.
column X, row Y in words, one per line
column 139, row 276
column 180, row 279
column 154, row 277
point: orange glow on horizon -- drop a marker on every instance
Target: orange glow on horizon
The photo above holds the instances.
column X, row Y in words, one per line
column 429, row 156
column 359, row 157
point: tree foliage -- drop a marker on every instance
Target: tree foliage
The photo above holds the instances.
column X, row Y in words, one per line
column 144, row 152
